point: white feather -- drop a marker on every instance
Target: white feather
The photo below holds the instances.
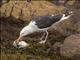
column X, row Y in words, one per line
column 64, row 17
column 29, row 29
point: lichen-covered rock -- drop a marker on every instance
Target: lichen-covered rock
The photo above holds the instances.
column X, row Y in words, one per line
column 71, row 47
column 25, row 10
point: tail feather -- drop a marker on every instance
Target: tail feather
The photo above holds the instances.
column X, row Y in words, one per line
column 66, row 17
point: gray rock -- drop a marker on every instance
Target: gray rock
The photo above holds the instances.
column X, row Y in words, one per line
column 70, row 48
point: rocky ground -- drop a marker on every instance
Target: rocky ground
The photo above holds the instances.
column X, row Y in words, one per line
column 63, row 42
column 70, row 47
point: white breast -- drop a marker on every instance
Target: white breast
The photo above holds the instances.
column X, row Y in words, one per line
column 33, row 27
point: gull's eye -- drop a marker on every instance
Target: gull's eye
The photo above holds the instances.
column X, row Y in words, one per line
column 22, row 33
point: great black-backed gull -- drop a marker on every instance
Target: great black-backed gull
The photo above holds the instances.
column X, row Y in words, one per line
column 41, row 23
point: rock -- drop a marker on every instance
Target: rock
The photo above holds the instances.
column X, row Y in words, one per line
column 70, row 48
column 25, row 10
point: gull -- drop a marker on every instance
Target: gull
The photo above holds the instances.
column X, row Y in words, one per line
column 41, row 23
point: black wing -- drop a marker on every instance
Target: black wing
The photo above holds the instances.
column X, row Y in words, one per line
column 47, row 21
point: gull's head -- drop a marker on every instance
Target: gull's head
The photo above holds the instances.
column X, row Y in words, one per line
column 25, row 31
